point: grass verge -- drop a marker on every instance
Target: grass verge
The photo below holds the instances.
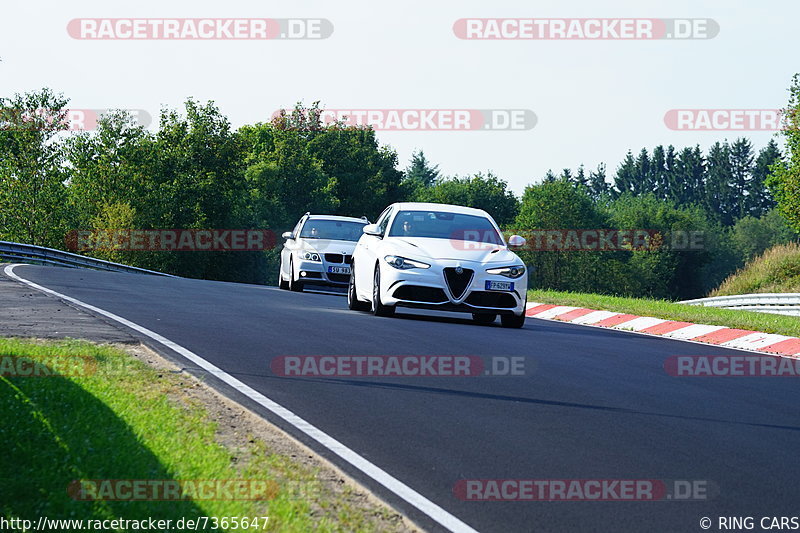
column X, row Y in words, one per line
column 126, row 420
column 768, row 323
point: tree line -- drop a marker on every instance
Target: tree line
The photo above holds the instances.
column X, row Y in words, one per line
column 195, row 172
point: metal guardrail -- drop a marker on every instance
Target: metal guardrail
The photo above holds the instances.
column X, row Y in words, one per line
column 27, row 253
column 778, row 303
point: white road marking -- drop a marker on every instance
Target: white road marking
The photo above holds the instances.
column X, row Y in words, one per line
column 555, row 311
column 396, row 486
column 594, row 317
column 693, row 331
column 755, row 341
column 640, row 323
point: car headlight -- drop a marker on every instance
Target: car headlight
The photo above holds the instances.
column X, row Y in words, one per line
column 404, row 263
column 308, row 256
column 512, row 272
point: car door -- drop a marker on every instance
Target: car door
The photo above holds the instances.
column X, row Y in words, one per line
column 366, row 254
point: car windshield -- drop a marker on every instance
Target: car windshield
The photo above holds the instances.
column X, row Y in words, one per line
column 444, row 225
column 339, row 230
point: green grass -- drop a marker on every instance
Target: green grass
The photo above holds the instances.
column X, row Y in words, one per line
column 130, row 421
column 769, row 323
column 776, row 270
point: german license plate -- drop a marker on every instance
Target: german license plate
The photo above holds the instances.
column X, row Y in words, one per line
column 499, row 285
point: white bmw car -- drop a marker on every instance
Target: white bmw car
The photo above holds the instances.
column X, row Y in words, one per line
column 318, row 251
column 438, row 256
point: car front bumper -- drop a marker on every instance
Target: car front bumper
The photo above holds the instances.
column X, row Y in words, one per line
column 429, row 289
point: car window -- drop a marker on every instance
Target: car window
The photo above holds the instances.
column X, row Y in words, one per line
column 444, row 225
column 340, row 230
column 296, row 230
column 385, row 222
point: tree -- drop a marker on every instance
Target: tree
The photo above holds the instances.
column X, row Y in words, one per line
column 686, row 181
column 753, row 236
column 598, row 186
column 625, row 180
column 486, row 192
column 421, row 171
column 32, row 189
column 741, row 164
column 759, row 199
column 784, row 180
column 718, row 198
column 561, row 205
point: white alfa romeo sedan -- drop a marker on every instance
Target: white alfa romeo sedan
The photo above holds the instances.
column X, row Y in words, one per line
column 438, row 256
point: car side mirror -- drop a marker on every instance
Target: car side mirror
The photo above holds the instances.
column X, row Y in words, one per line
column 287, row 235
column 372, row 229
column 515, row 241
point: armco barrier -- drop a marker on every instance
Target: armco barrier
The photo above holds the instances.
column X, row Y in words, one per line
column 782, row 304
column 27, row 253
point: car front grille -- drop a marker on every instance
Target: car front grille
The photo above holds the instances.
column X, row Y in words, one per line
column 457, row 283
column 416, row 293
column 492, row 299
column 340, row 278
column 338, row 258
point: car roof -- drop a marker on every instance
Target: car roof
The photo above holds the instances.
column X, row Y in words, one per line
column 447, row 208
column 337, row 217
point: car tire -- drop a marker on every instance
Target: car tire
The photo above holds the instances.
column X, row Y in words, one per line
column 512, row 321
column 353, row 303
column 378, row 309
column 482, row 318
column 294, row 285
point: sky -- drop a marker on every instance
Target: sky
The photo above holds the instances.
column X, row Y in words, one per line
column 593, row 99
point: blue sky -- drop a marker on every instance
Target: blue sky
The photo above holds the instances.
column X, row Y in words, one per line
column 594, row 99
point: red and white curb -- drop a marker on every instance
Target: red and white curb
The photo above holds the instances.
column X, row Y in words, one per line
column 740, row 339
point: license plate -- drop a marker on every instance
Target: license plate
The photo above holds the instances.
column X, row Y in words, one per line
column 499, row 285
column 338, row 270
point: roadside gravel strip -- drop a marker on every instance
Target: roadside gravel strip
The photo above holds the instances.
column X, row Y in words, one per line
column 740, row 339
column 28, row 313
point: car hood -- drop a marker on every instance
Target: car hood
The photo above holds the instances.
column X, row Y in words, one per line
column 456, row 250
column 328, row 246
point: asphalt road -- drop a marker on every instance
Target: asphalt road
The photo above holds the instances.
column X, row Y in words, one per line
column 594, row 403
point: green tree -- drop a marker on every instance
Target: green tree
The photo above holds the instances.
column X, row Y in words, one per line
column 421, row 171
column 784, row 181
column 483, row 192
column 759, row 200
column 598, row 186
column 32, row 189
column 753, row 236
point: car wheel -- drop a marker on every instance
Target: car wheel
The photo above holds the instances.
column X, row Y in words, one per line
column 378, row 309
column 482, row 318
column 295, row 286
column 282, row 283
column 352, row 300
column 512, row 321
